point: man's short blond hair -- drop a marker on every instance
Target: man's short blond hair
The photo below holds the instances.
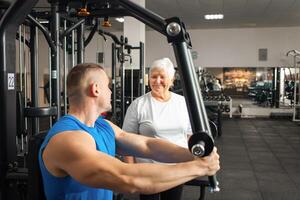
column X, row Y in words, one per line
column 77, row 77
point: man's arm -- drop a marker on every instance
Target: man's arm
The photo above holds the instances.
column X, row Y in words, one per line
column 147, row 147
column 74, row 153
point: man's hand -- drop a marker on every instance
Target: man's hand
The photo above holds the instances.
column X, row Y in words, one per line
column 211, row 162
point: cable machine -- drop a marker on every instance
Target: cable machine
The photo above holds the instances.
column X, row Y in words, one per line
column 201, row 142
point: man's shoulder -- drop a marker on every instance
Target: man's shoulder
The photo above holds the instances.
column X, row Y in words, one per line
column 64, row 124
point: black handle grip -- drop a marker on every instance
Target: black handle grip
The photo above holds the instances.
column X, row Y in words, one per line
column 201, row 144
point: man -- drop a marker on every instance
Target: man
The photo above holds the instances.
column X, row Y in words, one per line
column 77, row 157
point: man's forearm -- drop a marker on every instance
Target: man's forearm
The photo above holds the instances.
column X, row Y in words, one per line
column 153, row 178
column 153, row 148
column 170, row 153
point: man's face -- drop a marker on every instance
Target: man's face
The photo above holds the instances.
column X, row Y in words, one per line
column 105, row 92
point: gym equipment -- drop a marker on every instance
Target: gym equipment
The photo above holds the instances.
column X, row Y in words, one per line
column 9, row 22
column 265, row 93
column 202, row 184
column 35, row 184
column 172, row 28
column 296, row 105
column 118, row 93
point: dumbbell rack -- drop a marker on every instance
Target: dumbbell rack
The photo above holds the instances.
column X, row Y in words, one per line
column 220, row 103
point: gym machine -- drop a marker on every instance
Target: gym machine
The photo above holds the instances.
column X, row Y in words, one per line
column 201, row 142
column 9, row 23
column 121, row 98
column 296, row 93
column 119, row 93
column 288, row 86
column 216, row 102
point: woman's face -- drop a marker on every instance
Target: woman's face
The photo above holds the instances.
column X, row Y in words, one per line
column 160, row 81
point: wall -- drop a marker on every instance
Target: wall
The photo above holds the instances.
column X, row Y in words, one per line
column 232, row 47
column 215, row 48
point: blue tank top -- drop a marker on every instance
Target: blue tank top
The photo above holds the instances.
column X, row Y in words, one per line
column 66, row 188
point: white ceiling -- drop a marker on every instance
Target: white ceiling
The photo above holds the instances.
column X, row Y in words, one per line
column 237, row 13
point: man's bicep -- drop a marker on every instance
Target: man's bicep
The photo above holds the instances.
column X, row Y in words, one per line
column 84, row 163
column 131, row 144
column 66, row 150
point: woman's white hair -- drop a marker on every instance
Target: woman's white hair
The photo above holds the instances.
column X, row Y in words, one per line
column 165, row 64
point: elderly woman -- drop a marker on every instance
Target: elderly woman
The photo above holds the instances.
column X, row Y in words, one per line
column 160, row 114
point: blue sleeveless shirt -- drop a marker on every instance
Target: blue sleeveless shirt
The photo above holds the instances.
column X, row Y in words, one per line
column 67, row 188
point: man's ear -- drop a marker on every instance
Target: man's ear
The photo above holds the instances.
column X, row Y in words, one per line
column 94, row 89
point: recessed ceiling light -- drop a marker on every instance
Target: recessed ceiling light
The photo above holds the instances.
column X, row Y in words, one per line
column 213, row 16
column 120, row 19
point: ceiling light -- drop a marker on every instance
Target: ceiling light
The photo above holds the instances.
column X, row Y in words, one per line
column 44, row 21
column 120, row 19
column 214, row 16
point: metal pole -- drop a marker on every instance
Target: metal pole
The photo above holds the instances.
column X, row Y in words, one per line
column 80, row 43
column 131, row 83
column 191, row 90
column 21, row 51
column 9, row 22
column 146, row 16
column 113, row 78
column 34, row 74
column 25, row 77
column 65, row 54
column 193, row 96
column 295, row 103
column 55, row 70
column 122, row 69
column 274, row 87
column 50, row 82
column 73, row 48
column 277, row 97
column 142, row 70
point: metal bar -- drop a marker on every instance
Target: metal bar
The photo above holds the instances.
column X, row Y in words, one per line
column 65, row 54
column 55, row 72
column 50, row 82
column 113, row 37
column 274, row 86
column 20, row 57
column 296, row 83
column 122, row 70
column 191, row 89
column 25, row 78
column 57, row 60
column 277, row 92
column 80, row 43
column 44, row 31
column 9, row 22
column 131, row 83
column 113, row 78
column 92, row 33
column 73, row 27
column 73, row 48
column 142, row 70
column 193, row 96
column 146, row 16
column 34, row 74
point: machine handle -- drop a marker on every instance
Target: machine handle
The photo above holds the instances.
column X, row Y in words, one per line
column 201, row 145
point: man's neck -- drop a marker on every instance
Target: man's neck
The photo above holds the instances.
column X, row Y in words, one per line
column 86, row 114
